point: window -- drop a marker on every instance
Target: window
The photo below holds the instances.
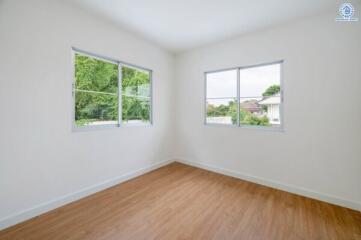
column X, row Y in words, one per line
column 109, row 93
column 245, row 96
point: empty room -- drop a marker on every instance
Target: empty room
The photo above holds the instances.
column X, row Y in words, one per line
column 217, row 119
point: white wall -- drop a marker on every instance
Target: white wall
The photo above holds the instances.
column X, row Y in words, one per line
column 41, row 159
column 319, row 154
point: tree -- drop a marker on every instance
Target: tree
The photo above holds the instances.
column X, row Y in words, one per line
column 219, row 111
column 271, row 90
column 135, row 94
column 96, row 97
column 97, row 86
column 250, row 119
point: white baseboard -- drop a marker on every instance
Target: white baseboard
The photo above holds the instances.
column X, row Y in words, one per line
column 274, row 184
column 48, row 206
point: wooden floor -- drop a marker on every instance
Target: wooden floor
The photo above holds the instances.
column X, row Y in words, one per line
column 183, row 202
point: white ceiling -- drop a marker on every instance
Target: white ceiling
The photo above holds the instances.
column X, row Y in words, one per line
column 178, row 25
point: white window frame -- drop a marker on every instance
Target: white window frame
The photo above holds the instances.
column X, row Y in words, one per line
column 119, row 120
column 239, row 125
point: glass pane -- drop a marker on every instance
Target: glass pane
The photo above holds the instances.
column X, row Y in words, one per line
column 222, row 84
column 135, row 109
column 260, row 97
column 95, row 108
column 222, row 111
column 136, row 93
column 95, row 75
column 259, row 81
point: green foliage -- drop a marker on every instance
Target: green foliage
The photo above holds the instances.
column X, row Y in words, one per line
column 136, row 94
column 135, row 109
column 133, row 79
column 264, row 108
column 271, row 90
column 95, row 75
column 83, row 122
column 96, row 97
column 103, row 107
column 245, row 117
column 219, row 111
column 251, row 119
column 248, row 118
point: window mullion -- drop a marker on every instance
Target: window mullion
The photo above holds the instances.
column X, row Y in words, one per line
column 238, row 97
column 120, row 75
column 205, row 99
column 151, row 98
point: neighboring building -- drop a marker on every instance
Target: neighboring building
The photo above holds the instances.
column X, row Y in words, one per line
column 273, row 107
column 251, row 106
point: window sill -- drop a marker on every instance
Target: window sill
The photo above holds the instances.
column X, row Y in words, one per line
column 109, row 126
column 272, row 129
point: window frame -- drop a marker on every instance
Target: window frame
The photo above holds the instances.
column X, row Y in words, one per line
column 238, row 124
column 120, row 64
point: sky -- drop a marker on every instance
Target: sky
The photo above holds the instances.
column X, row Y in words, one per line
column 253, row 82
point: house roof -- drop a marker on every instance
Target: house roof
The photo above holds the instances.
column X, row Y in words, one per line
column 250, row 105
column 273, row 99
